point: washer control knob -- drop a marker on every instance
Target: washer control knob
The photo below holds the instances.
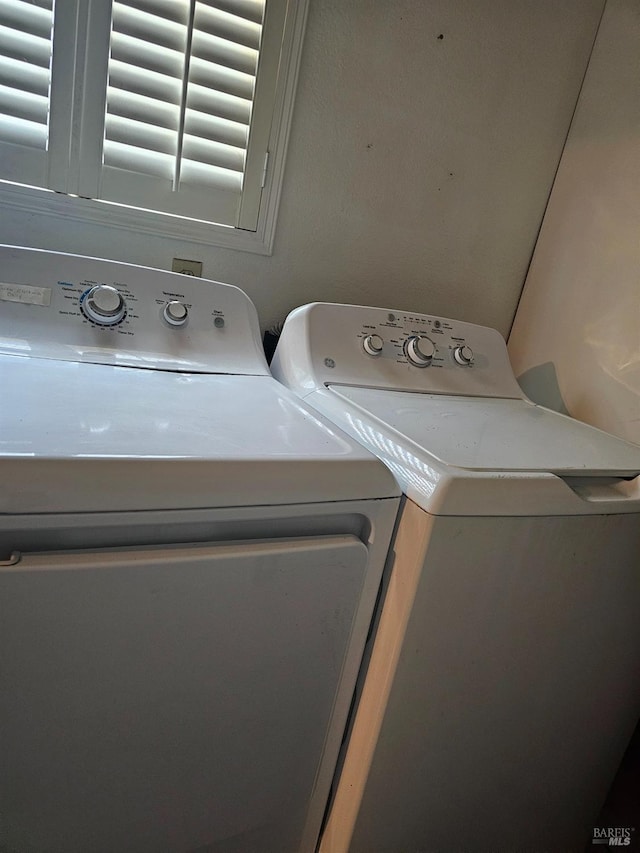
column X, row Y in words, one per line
column 463, row 355
column 175, row 312
column 104, row 305
column 373, row 344
column 419, row 350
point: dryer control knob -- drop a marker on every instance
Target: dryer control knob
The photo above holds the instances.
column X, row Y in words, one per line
column 104, row 305
column 463, row 356
column 373, row 344
column 419, row 350
column 175, row 312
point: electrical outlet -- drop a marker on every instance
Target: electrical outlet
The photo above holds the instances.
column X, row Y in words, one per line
column 186, row 267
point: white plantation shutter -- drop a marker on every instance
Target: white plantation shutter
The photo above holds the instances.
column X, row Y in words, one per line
column 160, row 105
column 148, row 43
column 25, row 76
column 182, row 81
column 222, row 73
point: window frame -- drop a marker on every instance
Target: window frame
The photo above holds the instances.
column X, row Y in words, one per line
column 58, row 203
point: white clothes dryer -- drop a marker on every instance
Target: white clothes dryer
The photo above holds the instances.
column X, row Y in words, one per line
column 504, row 674
column 190, row 560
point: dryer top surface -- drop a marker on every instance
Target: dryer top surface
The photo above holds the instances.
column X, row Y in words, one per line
column 97, row 437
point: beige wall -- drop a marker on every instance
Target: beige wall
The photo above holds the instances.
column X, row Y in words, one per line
column 418, row 166
column 576, row 338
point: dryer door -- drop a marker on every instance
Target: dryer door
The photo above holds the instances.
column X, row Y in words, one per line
column 172, row 698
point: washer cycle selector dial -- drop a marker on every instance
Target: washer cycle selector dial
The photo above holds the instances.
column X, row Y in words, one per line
column 104, row 305
column 463, row 355
column 175, row 312
column 419, row 350
column 373, row 344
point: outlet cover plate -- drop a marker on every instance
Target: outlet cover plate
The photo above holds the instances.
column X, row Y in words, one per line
column 186, row 267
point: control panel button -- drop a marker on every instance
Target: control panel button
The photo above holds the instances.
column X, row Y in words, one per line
column 463, row 355
column 419, row 350
column 175, row 313
column 104, row 305
column 373, row 344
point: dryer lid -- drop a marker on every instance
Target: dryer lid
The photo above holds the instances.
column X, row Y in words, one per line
column 490, row 434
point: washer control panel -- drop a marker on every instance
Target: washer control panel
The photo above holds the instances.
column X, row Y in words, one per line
column 419, row 340
column 378, row 348
column 68, row 307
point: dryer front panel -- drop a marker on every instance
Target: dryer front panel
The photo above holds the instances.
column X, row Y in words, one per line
column 172, row 698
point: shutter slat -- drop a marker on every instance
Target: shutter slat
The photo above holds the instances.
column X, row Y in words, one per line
column 24, row 105
column 132, row 159
column 23, row 132
column 251, row 10
column 26, row 18
column 219, row 104
column 194, row 172
column 216, row 22
column 142, row 54
column 148, row 28
column 213, row 153
column 141, row 81
column 24, row 77
column 170, row 10
column 223, row 52
column 220, row 79
column 217, row 129
column 141, row 135
column 22, row 46
column 148, row 110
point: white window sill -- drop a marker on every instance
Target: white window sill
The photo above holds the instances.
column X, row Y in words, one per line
column 48, row 203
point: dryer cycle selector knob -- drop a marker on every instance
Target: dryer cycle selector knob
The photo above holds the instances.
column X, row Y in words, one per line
column 104, row 305
column 373, row 344
column 419, row 350
column 463, row 355
column 175, row 312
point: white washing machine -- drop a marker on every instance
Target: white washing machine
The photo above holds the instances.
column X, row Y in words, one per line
column 504, row 674
column 190, row 560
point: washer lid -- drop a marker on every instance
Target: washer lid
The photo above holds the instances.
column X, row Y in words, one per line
column 475, row 456
column 87, row 437
column 489, row 434
column 500, row 435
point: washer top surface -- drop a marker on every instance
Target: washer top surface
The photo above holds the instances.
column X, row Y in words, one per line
column 168, row 405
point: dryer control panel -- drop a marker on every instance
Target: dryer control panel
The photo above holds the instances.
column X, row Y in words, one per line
column 328, row 344
column 68, row 307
